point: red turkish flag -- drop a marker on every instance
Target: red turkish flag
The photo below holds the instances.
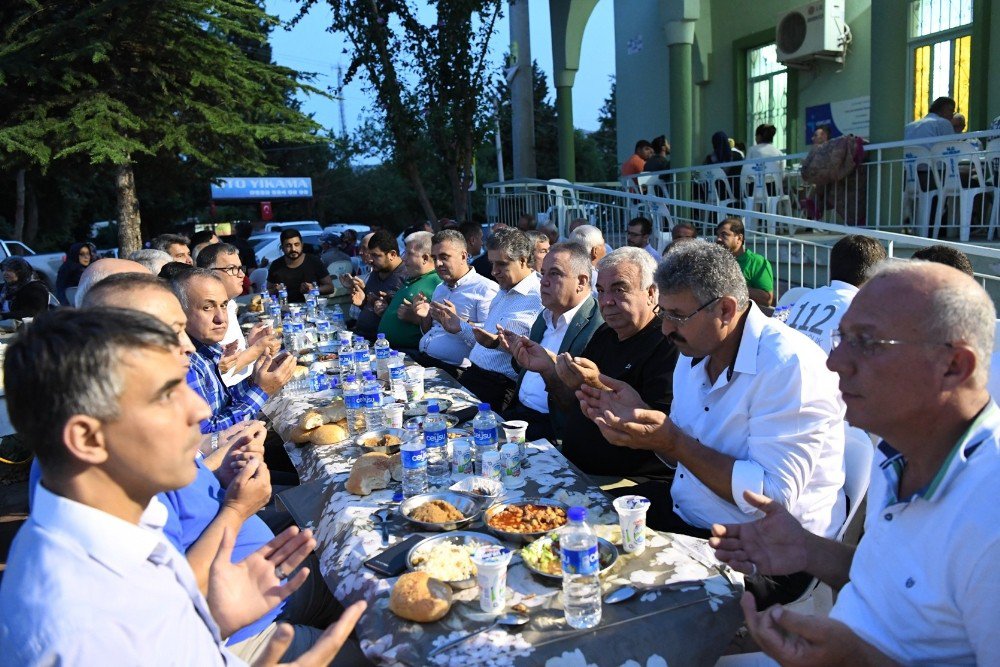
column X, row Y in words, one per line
column 266, row 213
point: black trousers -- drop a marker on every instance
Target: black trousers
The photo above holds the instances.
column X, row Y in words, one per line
column 494, row 388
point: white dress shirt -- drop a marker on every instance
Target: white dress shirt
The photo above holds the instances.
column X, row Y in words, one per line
column 83, row 587
column 657, row 257
column 766, row 150
column 235, row 333
column 471, row 296
column 924, row 581
column 779, row 414
column 818, row 312
column 515, row 310
column 931, row 125
column 533, row 394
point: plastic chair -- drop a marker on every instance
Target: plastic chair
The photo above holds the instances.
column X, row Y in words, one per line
column 659, row 212
column 993, row 171
column 919, row 187
column 717, row 189
column 565, row 205
column 762, row 189
column 791, row 295
column 949, row 159
column 337, row 269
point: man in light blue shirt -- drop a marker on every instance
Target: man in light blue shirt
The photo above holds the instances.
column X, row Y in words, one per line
column 937, row 122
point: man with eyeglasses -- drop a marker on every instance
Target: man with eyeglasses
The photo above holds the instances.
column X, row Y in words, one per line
column 628, row 350
column 912, row 353
column 754, row 408
column 238, row 353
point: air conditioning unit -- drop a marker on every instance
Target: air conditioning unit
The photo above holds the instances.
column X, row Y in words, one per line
column 811, row 31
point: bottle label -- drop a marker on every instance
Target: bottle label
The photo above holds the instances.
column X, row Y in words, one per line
column 414, row 459
column 397, row 372
column 372, row 400
column 381, row 352
column 580, row 561
column 485, row 437
column 352, row 401
column 435, row 438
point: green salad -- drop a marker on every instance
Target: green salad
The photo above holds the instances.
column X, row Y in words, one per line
column 543, row 554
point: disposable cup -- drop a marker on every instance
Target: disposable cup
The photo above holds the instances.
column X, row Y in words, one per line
column 632, row 519
column 491, row 563
column 414, row 383
column 394, row 415
column 515, row 431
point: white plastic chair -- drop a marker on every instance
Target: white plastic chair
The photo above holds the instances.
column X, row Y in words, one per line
column 993, row 171
column 948, row 158
column 791, row 295
column 718, row 191
column 659, row 212
column 564, row 204
column 762, row 189
column 919, row 187
column 336, row 269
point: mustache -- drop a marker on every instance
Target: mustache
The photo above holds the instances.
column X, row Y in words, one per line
column 675, row 337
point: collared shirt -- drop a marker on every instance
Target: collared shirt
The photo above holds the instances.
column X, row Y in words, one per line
column 230, row 405
column 83, row 587
column 471, row 296
column 778, row 412
column 818, row 312
column 515, row 310
column 235, row 333
column 657, row 257
column 533, row 393
column 402, row 334
column 757, row 270
column 931, row 125
column 368, row 320
column 924, row 582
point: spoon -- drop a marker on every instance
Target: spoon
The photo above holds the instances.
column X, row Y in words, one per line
column 512, row 619
column 383, row 523
column 628, row 592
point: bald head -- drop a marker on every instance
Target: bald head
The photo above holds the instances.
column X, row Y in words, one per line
column 145, row 293
column 98, row 271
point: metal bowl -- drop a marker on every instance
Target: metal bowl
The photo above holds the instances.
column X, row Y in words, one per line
column 520, row 537
column 469, row 506
column 419, row 408
column 450, row 420
column 459, row 434
column 607, row 557
column 460, row 537
column 380, row 433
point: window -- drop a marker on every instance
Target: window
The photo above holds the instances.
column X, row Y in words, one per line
column 940, row 47
column 767, row 93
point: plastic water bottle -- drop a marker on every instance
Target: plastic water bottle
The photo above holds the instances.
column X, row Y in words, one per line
column 436, row 440
column 397, row 375
column 372, row 396
column 353, row 405
column 337, row 318
column 381, row 354
column 580, row 568
column 311, row 305
column 485, row 434
column 282, row 296
column 324, row 335
column 309, row 335
column 414, row 455
column 318, row 382
column 335, row 387
column 362, row 356
column 292, row 336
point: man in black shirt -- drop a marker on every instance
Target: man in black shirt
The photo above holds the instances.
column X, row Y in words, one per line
column 298, row 271
column 387, row 276
column 628, row 347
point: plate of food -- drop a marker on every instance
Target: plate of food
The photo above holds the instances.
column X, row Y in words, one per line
column 481, row 487
column 448, row 557
column 525, row 520
column 419, row 408
column 441, row 511
column 543, row 557
column 450, row 420
column 385, row 440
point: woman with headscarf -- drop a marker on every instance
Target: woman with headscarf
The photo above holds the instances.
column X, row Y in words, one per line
column 78, row 258
column 723, row 152
column 22, row 295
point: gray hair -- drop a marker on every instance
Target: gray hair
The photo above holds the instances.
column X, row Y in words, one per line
column 635, row 257
column 69, row 361
column 590, row 236
column 579, row 258
column 708, row 270
column 513, row 242
column 151, row 258
column 182, row 281
column 164, row 241
column 450, row 236
column 957, row 313
column 419, row 242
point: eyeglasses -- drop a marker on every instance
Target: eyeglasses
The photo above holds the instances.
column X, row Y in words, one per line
column 677, row 320
column 231, row 270
column 869, row 346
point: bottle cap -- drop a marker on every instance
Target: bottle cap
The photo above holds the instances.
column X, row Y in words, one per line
column 433, row 409
column 484, row 407
column 381, row 335
column 577, row 513
column 352, row 378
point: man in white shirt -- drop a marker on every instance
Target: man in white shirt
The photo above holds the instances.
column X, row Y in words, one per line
column 592, row 240
column 639, row 231
column 569, row 319
column 91, row 579
column 817, row 313
column 754, row 408
column 922, row 585
column 464, row 294
column 490, row 376
column 937, row 122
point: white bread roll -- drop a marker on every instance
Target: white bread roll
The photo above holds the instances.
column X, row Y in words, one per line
column 370, row 473
column 417, row 596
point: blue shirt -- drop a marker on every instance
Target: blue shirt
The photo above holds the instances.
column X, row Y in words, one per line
column 230, row 405
column 931, row 125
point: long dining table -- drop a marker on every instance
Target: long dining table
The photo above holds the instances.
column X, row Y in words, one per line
column 689, row 622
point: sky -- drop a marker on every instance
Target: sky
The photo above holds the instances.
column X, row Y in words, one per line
column 308, row 47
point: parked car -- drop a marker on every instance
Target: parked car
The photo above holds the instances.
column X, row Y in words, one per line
column 301, row 225
column 341, row 227
column 267, row 246
column 47, row 265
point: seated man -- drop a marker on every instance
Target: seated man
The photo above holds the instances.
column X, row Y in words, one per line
column 98, row 271
column 238, row 356
column 91, row 578
column 387, row 276
column 297, row 270
column 757, row 270
column 921, row 587
column 463, row 293
column 817, row 313
column 490, row 376
column 592, row 240
column 540, row 244
column 175, row 245
column 203, row 296
column 400, row 323
column 567, row 323
column 754, row 408
column 628, row 347
column 639, row 231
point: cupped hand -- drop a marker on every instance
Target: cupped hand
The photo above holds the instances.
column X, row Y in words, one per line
column 773, row 545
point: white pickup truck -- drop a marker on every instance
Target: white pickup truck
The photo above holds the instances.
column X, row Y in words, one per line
column 48, row 265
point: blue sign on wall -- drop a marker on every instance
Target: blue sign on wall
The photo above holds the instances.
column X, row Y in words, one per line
column 262, row 187
column 844, row 117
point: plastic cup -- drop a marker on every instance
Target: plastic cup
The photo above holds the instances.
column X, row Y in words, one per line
column 515, row 431
column 461, row 456
column 510, row 463
column 394, row 415
column 414, row 384
column 632, row 519
column 492, row 468
column 491, row 563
